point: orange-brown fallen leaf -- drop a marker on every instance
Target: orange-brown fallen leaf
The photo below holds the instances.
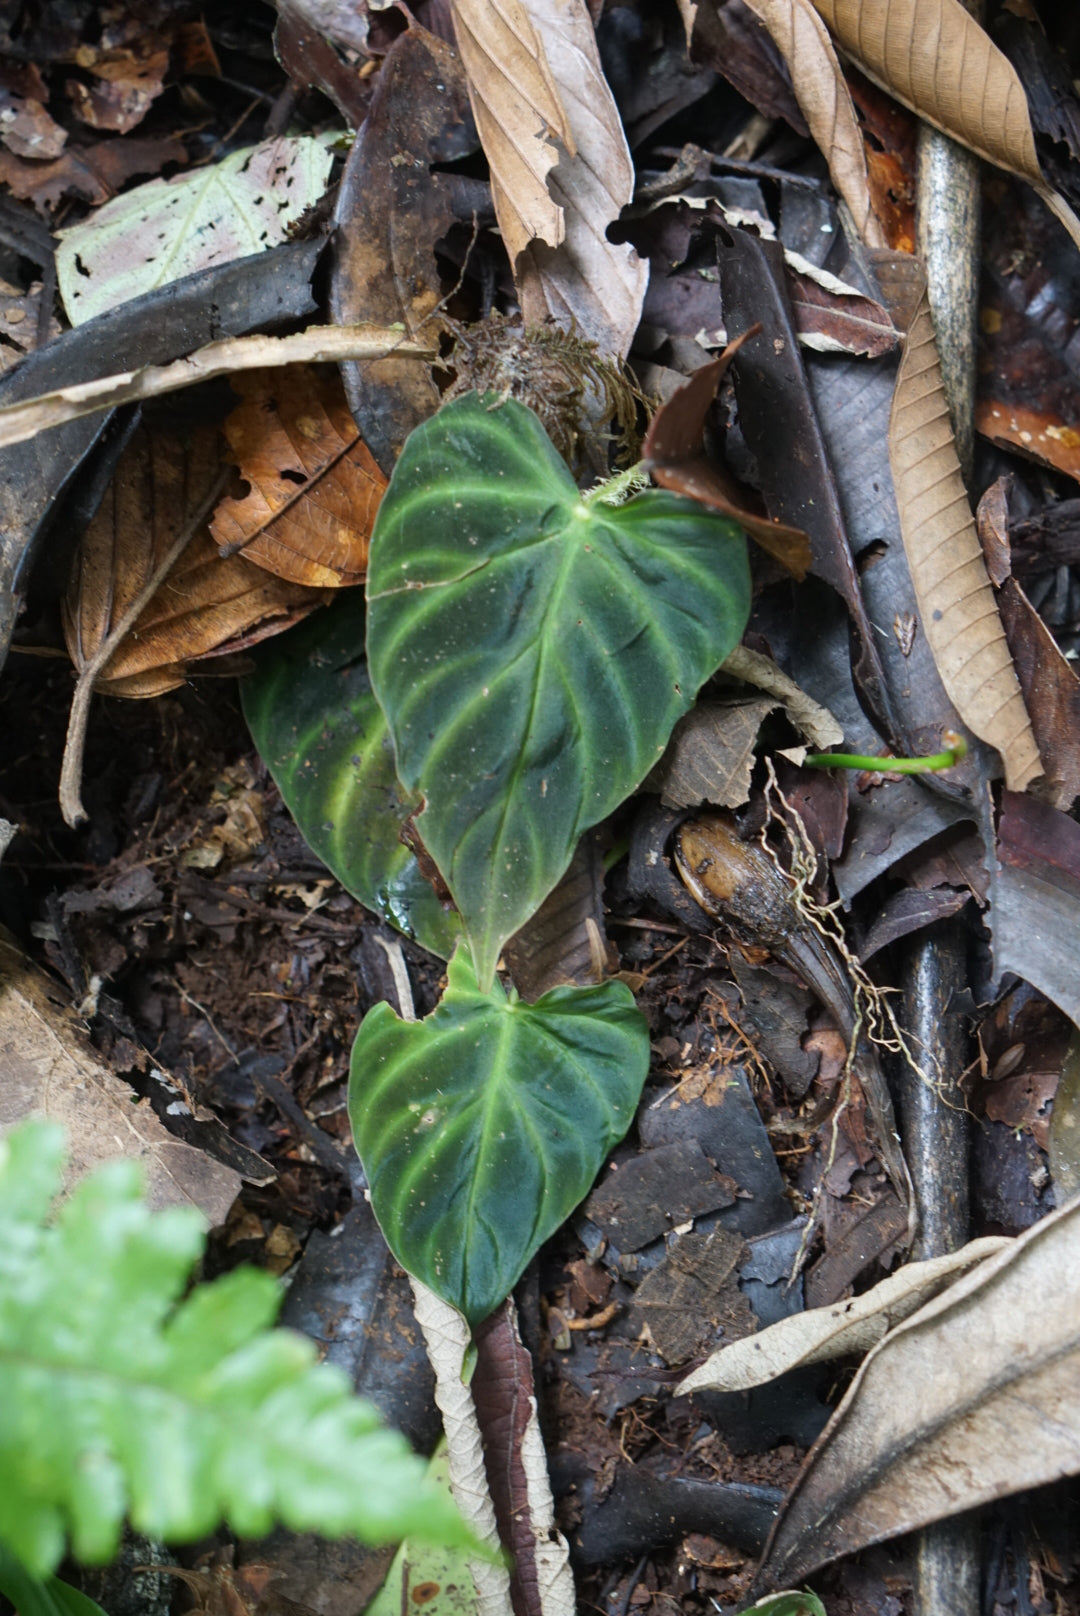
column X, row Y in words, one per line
column 314, row 486
column 205, row 606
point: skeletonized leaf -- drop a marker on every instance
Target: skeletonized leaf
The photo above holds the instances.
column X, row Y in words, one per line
column 824, row 100
column 205, row 606
column 168, row 228
column 848, row 1327
column 991, row 1369
column 936, row 59
column 314, row 485
column 534, row 76
column 957, row 612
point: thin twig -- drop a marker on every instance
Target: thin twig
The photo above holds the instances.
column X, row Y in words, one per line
column 71, row 770
column 316, row 345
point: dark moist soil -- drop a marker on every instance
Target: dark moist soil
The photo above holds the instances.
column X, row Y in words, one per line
column 192, row 926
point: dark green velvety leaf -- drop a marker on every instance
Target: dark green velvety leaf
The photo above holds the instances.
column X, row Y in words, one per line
column 311, row 711
column 483, row 1126
column 532, row 651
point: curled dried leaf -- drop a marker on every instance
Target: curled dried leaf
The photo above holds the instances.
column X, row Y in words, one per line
column 535, row 78
column 953, row 590
column 992, row 1364
column 204, row 606
column 847, row 1327
column 825, row 102
column 936, row 59
column 519, row 115
column 314, row 486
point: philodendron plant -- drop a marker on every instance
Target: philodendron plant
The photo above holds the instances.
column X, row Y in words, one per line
column 528, row 651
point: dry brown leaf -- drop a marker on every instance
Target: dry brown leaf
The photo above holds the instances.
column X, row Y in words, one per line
column 50, row 1071
column 849, row 1327
column 955, row 597
column 519, row 115
column 935, row 58
column 973, row 1398
column 1038, row 436
column 554, row 206
column 565, row 940
column 26, row 127
column 825, row 102
column 205, row 606
column 710, row 756
column 315, row 487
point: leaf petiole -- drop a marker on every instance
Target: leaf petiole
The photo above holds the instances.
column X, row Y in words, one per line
column 955, row 750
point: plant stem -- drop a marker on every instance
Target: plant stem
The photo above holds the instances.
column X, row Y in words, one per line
column 955, row 750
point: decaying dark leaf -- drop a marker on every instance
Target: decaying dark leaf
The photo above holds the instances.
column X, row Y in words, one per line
column 674, row 449
column 390, row 214
column 94, row 173
column 1035, row 899
column 781, row 428
column 691, row 1299
column 314, row 487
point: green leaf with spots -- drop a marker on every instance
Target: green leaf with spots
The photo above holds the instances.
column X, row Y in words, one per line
column 531, row 650
column 483, row 1126
column 311, row 711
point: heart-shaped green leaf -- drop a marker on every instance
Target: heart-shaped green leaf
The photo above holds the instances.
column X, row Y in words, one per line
column 311, row 711
column 531, row 650
column 483, row 1126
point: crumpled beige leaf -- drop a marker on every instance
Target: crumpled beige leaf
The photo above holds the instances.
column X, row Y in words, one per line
column 825, row 103
column 849, row 1327
column 821, row 728
column 535, row 79
column 50, row 1071
column 935, row 58
column 957, row 612
column 710, row 756
column 974, row 1397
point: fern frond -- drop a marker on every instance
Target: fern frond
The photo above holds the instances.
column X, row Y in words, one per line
column 117, row 1398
